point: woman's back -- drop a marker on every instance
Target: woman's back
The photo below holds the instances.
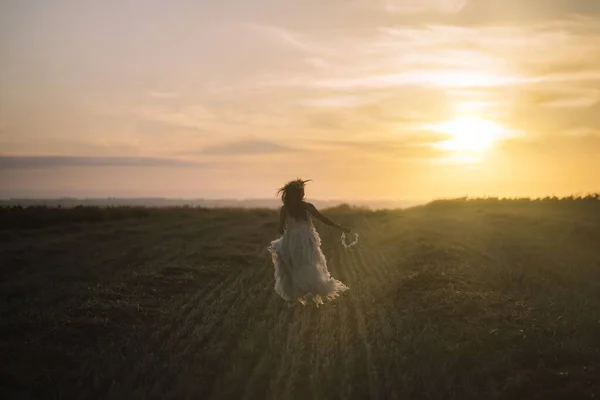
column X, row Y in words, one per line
column 297, row 211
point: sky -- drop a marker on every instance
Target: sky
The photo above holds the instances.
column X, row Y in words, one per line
column 371, row 99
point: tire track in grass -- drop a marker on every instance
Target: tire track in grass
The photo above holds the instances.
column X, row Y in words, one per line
column 375, row 260
column 384, row 327
column 379, row 327
column 368, row 352
column 162, row 339
column 371, row 260
column 188, row 351
column 249, row 338
column 259, row 382
column 373, row 242
column 383, row 263
column 299, row 353
column 359, row 323
column 345, row 346
column 278, row 383
column 355, row 362
column 391, row 331
column 235, row 278
column 256, row 337
column 327, row 358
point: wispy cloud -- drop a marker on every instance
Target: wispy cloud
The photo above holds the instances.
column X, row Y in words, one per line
column 449, row 78
column 189, row 116
column 337, row 101
column 284, row 36
column 162, row 94
column 247, row 147
column 393, row 75
column 405, row 148
column 582, row 99
column 411, row 6
column 391, row 78
column 584, row 132
column 455, row 56
column 37, row 162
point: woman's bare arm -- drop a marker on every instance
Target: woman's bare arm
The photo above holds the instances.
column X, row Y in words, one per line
column 282, row 220
column 313, row 210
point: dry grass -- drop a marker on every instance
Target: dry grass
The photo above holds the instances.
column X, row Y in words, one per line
column 455, row 300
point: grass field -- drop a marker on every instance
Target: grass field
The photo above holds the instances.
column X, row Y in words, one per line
column 482, row 299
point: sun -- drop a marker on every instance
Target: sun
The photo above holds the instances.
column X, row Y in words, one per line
column 473, row 135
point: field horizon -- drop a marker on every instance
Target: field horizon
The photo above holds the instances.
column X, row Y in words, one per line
column 256, row 203
column 246, row 203
column 454, row 299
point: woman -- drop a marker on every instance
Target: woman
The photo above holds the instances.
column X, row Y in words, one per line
column 300, row 266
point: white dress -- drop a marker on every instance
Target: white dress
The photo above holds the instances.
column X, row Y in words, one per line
column 300, row 265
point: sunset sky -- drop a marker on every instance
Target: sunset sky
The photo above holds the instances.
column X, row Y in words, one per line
column 372, row 99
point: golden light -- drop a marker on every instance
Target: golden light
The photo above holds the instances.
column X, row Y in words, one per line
column 469, row 134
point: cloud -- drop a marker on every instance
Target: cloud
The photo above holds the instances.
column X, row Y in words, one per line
column 563, row 96
column 444, row 55
column 584, row 132
column 162, row 95
column 191, row 116
column 393, row 76
column 247, row 147
column 339, row 101
column 382, row 78
column 42, row 162
column 401, row 146
column 415, row 7
column 562, row 151
column 490, row 11
column 449, row 78
column 376, row 112
column 283, row 36
column 383, row 148
column 575, row 101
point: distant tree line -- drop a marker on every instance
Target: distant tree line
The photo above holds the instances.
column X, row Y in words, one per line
column 588, row 197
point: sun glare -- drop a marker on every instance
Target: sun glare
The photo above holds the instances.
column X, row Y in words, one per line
column 469, row 134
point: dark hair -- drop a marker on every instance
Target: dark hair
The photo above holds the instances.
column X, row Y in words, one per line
column 292, row 195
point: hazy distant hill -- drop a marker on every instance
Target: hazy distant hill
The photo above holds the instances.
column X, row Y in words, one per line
column 210, row 203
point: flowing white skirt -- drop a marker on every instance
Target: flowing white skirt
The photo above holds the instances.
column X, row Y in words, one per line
column 301, row 268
